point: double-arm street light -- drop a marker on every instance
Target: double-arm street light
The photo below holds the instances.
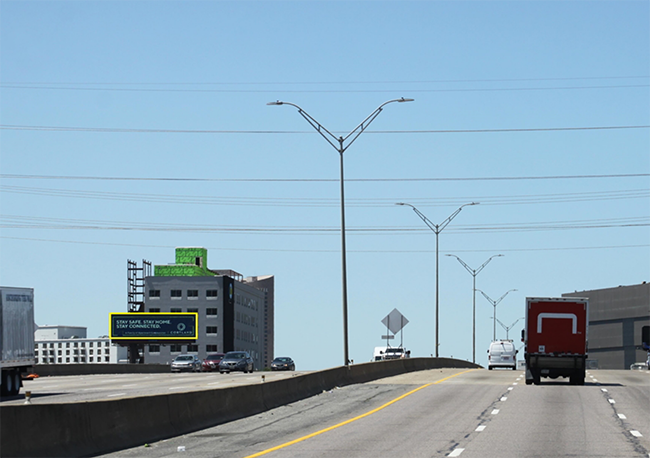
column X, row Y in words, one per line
column 508, row 328
column 494, row 304
column 341, row 144
column 437, row 229
column 474, row 273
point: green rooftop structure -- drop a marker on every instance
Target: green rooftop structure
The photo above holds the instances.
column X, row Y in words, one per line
column 190, row 262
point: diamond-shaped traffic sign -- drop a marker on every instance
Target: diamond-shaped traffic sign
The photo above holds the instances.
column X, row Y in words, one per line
column 395, row 321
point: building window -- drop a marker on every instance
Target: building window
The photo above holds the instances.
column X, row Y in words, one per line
column 192, row 348
column 150, row 311
column 193, row 294
column 107, row 359
column 67, row 352
column 154, row 348
column 211, row 330
column 60, row 360
column 67, row 360
column 91, row 352
column 175, row 310
column 177, row 293
column 211, row 312
column 154, row 294
column 91, row 359
column 90, row 344
column 60, row 344
column 106, row 344
column 212, row 294
column 175, row 348
column 211, row 348
column 192, row 310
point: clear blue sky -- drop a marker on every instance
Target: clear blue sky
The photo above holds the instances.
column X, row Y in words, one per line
column 106, row 105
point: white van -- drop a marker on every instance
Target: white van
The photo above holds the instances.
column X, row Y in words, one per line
column 502, row 353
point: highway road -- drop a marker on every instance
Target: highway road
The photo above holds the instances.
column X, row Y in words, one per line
column 449, row 412
column 74, row 388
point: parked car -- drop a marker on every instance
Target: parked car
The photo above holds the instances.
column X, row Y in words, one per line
column 188, row 363
column 211, row 362
column 283, row 363
column 236, row 361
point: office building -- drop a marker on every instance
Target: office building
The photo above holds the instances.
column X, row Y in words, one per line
column 617, row 317
column 234, row 313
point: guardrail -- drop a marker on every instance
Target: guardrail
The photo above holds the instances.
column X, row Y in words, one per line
column 92, row 428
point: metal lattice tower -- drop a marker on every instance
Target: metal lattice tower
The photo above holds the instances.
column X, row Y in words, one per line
column 135, row 284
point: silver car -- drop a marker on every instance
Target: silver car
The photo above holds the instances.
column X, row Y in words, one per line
column 186, row 363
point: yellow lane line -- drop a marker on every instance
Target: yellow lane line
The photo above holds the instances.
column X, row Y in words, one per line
column 317, row 433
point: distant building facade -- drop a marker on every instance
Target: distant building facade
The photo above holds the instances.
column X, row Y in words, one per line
column 69, row 345
column 617, row 317
column 234, row 313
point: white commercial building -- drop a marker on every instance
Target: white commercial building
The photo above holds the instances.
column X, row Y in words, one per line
column 69, row 345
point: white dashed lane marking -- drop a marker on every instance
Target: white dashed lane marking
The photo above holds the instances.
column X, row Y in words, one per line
column 480, row 428
column 457, row 452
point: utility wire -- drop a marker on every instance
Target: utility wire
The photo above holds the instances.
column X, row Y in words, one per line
column 282, row 132
column 325, row 91
column 6, row 176
column 280, row 250
column 327, row 202
column 30, row 222
column 291, row 83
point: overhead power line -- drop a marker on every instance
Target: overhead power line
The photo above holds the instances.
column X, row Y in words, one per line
column 281, row 250
column 7, row 176
column 302, row 91
column 326, row 202
column 33, row 222
column 292, row 83
column 114, row 130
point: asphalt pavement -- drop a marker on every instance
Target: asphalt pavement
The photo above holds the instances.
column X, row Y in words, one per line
column 449, row 412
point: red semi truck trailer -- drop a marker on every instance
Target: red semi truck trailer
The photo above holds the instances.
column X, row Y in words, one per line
column 555, row 338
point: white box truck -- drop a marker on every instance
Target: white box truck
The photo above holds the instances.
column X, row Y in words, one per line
column 16, row 337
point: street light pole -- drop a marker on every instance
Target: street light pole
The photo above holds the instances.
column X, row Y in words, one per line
column 494, row 304
column 437, row 229
column 474, row 273
column 339, row 144
column 508, row 328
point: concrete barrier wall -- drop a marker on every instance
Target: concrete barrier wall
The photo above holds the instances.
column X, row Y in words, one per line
column 45, row 370
column 91, row 428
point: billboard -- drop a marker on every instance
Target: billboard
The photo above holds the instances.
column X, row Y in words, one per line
column 153, row 326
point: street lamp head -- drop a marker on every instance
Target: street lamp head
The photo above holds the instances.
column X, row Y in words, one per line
column 277, row 102
column 405, row 100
